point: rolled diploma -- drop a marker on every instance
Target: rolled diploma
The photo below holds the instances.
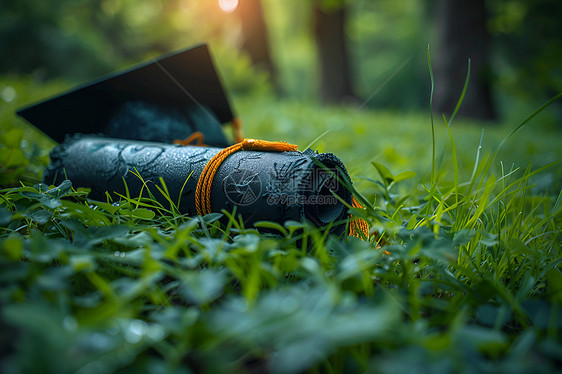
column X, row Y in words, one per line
column 273, row 186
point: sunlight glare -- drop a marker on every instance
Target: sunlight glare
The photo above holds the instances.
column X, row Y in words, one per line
column 228, row 6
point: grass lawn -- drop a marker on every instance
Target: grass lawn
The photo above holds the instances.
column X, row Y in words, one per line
column 471, row 283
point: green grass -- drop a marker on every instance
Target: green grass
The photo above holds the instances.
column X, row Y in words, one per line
column 472, row 282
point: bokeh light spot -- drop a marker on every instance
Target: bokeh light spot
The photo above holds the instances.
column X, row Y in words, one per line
column 228, row 6
column 8, row 94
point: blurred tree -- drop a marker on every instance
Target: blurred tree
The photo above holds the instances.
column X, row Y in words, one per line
column 463, row 34
column 255, row 37
column 389, row 38
column 76, row 40
column 333, row 58
column 32, row 40
column 528, row 46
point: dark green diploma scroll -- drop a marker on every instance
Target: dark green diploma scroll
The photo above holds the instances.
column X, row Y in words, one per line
column 273, row 186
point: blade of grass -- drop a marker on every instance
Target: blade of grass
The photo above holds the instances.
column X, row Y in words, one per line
column 432, row 81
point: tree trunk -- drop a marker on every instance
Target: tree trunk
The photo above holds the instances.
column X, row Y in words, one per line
column 462, row 35
column 335, row 74
column 255, row 34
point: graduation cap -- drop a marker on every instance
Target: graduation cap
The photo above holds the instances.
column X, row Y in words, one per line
column 165, row 99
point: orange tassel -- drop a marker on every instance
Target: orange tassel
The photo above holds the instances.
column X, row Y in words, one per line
column 358, row 226
column 196, row 136
column 203, row 189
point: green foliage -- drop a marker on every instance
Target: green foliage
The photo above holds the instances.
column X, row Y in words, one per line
column 401, row 142
column 23, row 149
column 517, row 26
column 100, row 36
column 471, row 281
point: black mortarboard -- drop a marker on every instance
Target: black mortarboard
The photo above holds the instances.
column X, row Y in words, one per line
column 165, row 99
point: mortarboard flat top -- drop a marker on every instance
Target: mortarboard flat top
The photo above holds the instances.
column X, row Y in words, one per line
column 179, row 80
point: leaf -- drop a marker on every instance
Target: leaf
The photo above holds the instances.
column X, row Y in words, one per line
column 484, row 339
column 385, row 174
column 50, row 202
column 488, row 239
column 203, row 287
column 542, row 314
column 404, row 175
column 293, row 225
column 61, row 190
column 82, row 263
column 212, row 217
column 5, row 216
column 271, row 225
column 517, row 247
column 46, row 200
column 40, row 216
column 41, row 187
column 109, row 208
column 247, row 242
column 141, row 239
column 13, row 247
column 108, row 232
column 526, row 287
column 173, row 318
column 143, row 213
column 84, row 213
column 488, row 314
column 55, row 279
column 463, row 236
